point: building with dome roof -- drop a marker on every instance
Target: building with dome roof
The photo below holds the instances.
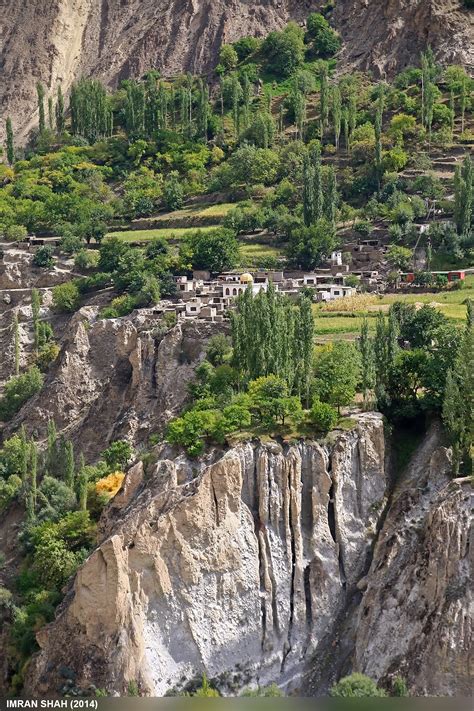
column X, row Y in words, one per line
column 246, row 278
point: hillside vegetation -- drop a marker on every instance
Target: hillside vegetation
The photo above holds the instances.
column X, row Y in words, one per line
column 274, row 161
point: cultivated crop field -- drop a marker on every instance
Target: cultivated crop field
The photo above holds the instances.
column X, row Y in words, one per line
column 343, row 319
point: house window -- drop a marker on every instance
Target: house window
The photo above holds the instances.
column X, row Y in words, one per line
column 337, row 293
column 234, row 292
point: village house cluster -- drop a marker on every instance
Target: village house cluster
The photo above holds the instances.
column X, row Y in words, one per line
column 203, row 297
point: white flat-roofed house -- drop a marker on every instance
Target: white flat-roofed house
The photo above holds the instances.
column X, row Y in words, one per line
column 330, row 292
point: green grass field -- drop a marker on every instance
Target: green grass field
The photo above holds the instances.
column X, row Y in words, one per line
column 174, row 234
column 251, row 253
column 193, row 215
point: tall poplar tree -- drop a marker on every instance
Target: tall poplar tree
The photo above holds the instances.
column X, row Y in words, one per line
column 458, row 405
column 308, row 191
column 33, row 473
column 82, row 484
column 50, row 113
column 324, row 97
column 41, row 115
column 69, row 467
column 330, row 197
column 52, row 453
column 10, row 142
column 336, row 114
column 236, row 92
column 16, row 336
column 315, row 154
column 368, row 362
column 203, row 110
column 463, row 196
column 60, row 119
column 378, row 134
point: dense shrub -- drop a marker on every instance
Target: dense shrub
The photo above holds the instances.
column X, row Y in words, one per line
column 18, row 390
column 15, row 233
column 66, row 297
column 44, row 257
column 356, row 686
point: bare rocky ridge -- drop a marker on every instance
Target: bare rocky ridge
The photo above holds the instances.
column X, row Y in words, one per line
column 61, row 41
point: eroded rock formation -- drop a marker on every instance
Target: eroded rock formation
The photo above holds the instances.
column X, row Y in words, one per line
column 116, row 378
column 290, row 564
column 236, row 568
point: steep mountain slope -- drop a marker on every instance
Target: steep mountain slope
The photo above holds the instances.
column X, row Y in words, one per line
column 60, row 41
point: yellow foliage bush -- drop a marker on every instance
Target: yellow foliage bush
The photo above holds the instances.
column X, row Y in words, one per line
column 110, row 484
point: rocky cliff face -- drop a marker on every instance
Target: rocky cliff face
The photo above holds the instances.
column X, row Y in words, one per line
column 236, row 567
column 115, row 378
column 60, row 41
column 386, row 37
column 414, row 617
column 268, row 563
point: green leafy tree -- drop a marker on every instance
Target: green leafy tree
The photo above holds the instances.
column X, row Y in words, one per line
column 401, row 257
column 309, row 246
column 173, row 192
column 271, row 401
column 118, row 454
column 228, row 57
column 191, row 430
column 218, row 349
column 15, row 233
column 44, row 257
column 325, row 41
column 337, row 373
column 216, row 250
column 323, row 416
column 284, row 51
